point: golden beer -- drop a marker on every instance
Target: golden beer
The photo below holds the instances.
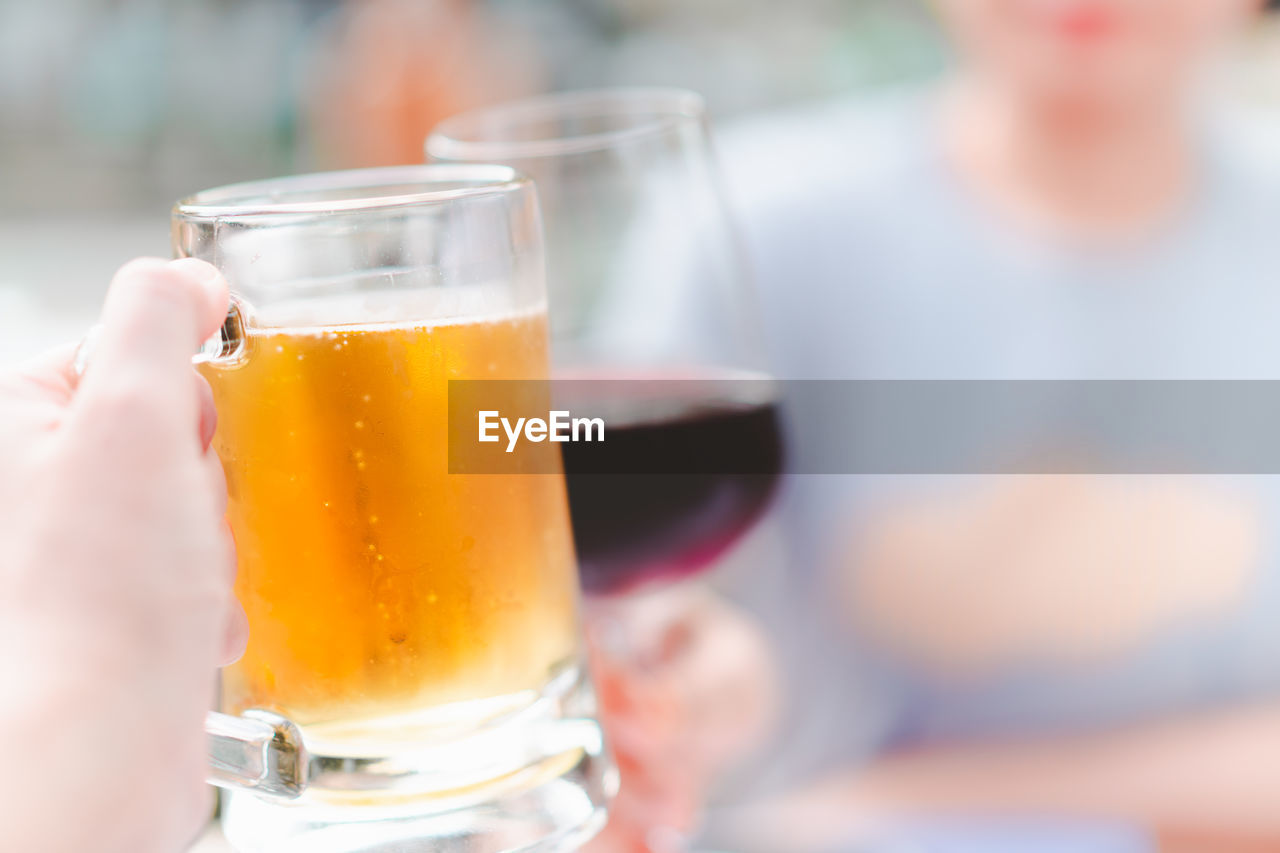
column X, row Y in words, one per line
column 377, row 585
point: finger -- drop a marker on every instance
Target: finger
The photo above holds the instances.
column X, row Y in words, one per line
column 216, row 476
column 38, row 391
column 208, row 412
column 236, row 638
column 216, row 298
column 52, row 371
column 233, row 563
column 156, row 315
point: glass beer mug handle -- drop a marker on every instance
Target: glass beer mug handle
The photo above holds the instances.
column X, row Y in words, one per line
column 258, row 751
column 227, row 344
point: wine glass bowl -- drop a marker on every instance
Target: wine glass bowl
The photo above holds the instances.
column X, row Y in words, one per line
column 653, row 319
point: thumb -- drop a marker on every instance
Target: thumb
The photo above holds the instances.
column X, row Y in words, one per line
column 157, row 313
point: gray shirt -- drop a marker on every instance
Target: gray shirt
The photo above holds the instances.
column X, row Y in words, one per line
column 874, row 262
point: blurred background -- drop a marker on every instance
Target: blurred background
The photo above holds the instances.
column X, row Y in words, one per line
column 112, row 109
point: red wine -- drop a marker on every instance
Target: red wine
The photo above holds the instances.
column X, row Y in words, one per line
column 661, row 499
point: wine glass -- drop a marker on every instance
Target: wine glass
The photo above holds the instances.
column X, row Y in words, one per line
column 654, row 321
column 652, row 309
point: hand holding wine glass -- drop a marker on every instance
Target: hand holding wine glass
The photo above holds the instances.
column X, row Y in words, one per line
column 680, row 710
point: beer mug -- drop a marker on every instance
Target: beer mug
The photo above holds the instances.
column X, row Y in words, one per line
column 414, row 671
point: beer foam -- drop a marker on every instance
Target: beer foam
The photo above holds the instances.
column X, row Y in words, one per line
column 391, row 308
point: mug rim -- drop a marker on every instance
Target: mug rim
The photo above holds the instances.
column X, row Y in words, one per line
column 268, row 197
column 660, row 110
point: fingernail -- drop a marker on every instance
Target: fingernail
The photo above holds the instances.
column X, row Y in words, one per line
column 202, row 271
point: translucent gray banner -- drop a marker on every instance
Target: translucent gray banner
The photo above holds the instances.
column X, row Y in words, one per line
column 751, row 426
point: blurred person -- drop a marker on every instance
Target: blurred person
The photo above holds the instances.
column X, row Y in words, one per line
column 384, row 72
column 117, row 600
column 1071, row 203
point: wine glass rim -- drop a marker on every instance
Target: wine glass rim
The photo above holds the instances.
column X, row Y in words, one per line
column 385, row 185
column 653, row 110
